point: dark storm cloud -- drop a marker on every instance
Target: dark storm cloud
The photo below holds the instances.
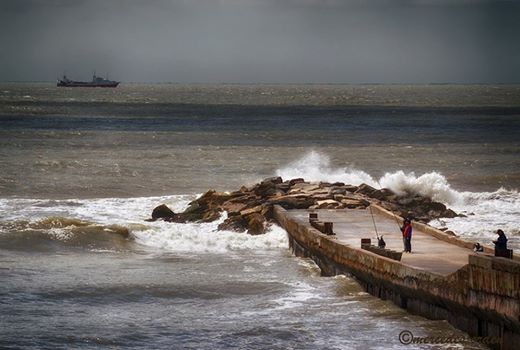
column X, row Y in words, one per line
column 262, row 40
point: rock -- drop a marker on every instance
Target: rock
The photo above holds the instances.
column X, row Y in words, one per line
column 265, row 189
column 267, row 211
column 212, row 199
column 365, row 189
column 327, row 204
column 210, row 215
column 161, row 212
column 233, row 208
column 283, row 187
column 295, row 181
column 383, row 194
column 255, row 224
column 249, row 211
column 351, row 188
column 274, row 180
column 338, row 190
column 292, row 202
column 322, row 196
column 390, row 206
column 355, row 203
column 192, row 207
column 448, row 213
column 303, row 187
column 233, row 223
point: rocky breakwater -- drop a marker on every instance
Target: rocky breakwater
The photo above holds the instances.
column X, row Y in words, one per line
column 251, row 208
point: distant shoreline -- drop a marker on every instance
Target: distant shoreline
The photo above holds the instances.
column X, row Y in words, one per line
column 37, row 99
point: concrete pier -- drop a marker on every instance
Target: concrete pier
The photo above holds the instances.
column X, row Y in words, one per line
column 441, row 279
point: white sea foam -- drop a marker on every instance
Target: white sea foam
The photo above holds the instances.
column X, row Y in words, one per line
column 315, row 166
column 203, row 237
column 485, row 213
column 132, row 212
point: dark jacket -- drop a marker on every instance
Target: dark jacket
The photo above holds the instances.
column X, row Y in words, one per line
column 501, row 242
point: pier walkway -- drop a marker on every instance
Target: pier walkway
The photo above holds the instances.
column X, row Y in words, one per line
column 428, row 253
column 441, row 279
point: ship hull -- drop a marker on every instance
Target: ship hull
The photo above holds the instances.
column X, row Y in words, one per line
column 85, row 84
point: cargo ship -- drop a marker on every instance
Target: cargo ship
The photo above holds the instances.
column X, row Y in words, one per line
column 96, row 82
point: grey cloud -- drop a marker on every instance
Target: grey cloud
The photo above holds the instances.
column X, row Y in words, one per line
column 262, row 41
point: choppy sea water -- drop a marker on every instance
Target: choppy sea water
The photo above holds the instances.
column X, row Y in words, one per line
column 74, row 174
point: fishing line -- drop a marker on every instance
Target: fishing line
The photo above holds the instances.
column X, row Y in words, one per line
column 393, row 214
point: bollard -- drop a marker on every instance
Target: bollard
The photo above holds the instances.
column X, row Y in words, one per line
column 328, row 228
column 365, row 242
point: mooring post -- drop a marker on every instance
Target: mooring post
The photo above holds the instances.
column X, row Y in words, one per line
column 328, row 228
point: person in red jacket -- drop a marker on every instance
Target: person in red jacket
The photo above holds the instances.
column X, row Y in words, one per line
column 407, row 235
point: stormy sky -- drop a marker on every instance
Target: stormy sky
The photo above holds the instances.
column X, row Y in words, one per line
column 262, row 41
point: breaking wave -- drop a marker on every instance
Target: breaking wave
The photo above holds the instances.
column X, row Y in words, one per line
column 114, row 223
column 203, row 237
column 315, row 166
column 54, row 231
column 485, row 211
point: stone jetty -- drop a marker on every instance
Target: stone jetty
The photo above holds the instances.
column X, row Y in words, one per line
column 250, row 209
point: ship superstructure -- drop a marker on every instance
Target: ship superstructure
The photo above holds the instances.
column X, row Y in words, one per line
column 96, row 82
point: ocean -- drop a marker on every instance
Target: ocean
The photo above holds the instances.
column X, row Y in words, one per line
column 82, row 167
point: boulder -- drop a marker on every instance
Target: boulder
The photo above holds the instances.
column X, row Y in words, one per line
column 283, row 187
column 322, row 196
column 448, row 213
column 275, row 180
column 161, row 212
column 327, row 204
column 256, row 224
column 210, row 215
column 267, row 211
column 233, row 223
column 212, row 199
column 355, row 203
column 338, row 190
column 233, row 208
column 351, row 188
column 365, row 189
column 292, row 202
column 246, row 212
column 383, row 194
column 303, row 187
column 295, row 181
column 265, row 189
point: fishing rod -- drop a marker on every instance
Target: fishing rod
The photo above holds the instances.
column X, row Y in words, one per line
column 393, row 214
column 380, row 241
column 373, row 221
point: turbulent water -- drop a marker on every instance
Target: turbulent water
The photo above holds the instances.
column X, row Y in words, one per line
column 81, row 170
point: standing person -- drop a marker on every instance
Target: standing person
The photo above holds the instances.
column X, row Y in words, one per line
column 407, row 235
column 500, row 244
